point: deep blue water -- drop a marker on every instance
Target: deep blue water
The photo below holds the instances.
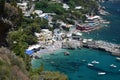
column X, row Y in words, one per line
column 112, row 32
column 75, row 68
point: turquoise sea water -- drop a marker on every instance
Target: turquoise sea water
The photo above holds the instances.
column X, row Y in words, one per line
column 74, row 66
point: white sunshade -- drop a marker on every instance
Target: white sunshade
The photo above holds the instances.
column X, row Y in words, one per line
column 33, row 47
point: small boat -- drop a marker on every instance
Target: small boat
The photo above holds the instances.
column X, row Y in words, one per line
column 118, row 58
column 101, row 73
column 66, row 53
column 112, row 65
column 95, row 62
column 89, row 64
column 84, row 60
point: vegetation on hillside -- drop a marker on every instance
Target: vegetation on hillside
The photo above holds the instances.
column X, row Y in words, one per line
column 21, row 35
column 68, row 16
column 12, row 67
column 50, row 7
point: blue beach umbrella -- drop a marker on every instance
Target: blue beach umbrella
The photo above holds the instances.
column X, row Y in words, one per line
column 46, row 17
column 29, row 52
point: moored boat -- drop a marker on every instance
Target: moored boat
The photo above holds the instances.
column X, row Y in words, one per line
column 112, row 65
column 89, row 64
column 95, row 62
column 118, row 58
column 101, row 73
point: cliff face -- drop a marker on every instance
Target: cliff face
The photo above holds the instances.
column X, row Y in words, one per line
column 11, row 66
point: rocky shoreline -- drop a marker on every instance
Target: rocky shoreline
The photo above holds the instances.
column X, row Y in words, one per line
column 114, row 49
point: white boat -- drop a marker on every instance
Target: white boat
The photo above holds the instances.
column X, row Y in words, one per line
column 95, row 62
column 89, row 64
column 101, row 73
column 83, row 60
column 112, row 65
column 118, row 58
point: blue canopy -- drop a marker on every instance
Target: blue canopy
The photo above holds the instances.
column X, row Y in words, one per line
column 29, row 52
column 46, row 17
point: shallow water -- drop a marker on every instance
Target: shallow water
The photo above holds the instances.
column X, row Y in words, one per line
column 77, row 69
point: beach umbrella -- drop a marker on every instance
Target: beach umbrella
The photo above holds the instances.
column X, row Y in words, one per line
column 29, row 52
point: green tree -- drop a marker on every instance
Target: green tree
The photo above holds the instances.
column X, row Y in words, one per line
column 2, row 6
column 71, row 3
column 13, row 2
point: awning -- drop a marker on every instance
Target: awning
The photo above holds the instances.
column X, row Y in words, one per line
column 29, row 52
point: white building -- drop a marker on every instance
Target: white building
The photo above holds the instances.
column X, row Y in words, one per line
column 45, row 35
column 23, row 6
column 38, row 12
column 58, row 34
column 65, row 6
column 93, row 17
column 78, row 7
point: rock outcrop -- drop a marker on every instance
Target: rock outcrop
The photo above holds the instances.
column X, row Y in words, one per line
column 72, row 44
column 114, row 49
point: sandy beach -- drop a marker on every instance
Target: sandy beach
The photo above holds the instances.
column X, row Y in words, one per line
column 49, row 49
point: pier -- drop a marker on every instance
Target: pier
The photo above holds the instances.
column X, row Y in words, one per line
column 114, row 49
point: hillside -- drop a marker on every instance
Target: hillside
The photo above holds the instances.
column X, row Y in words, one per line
column 11, row 66
column 17, row 33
